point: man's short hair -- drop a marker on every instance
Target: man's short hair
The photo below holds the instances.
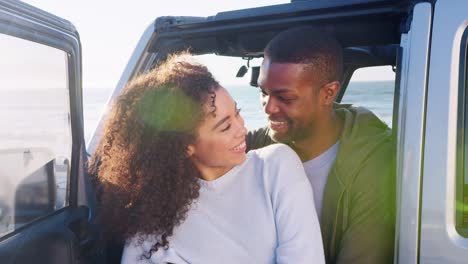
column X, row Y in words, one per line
column 318, row 50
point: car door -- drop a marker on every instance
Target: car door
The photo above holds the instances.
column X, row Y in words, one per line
column 444, row 203
column 41, row 140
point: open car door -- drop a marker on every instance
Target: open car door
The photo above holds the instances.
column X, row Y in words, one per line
column 41, row 140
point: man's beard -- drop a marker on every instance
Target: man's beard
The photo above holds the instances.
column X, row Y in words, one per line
column 293, row 135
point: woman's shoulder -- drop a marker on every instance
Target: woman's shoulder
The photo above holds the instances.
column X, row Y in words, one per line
column 275, row 152
column 280, row 165
column 137, row 248
column 279, row 161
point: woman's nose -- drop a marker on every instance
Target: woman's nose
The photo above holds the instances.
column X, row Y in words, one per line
column 241, row 129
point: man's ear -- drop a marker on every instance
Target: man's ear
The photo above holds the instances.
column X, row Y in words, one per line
column 190, row 150
column 329, row 92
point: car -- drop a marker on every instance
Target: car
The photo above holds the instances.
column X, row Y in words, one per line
column 42, row 147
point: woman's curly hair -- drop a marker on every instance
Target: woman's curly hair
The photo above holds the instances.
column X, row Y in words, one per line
column 145, row 181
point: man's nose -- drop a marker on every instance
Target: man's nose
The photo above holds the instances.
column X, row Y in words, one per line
column 269, row 105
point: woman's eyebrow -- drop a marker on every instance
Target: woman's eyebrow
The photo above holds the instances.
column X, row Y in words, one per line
column 220, row 122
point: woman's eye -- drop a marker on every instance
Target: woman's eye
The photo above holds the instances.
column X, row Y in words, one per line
column 226, row 128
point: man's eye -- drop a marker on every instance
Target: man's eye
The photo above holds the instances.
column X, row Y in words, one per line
column 238, row 111
column 226, row 128
column 263, row 92
column 286, row 100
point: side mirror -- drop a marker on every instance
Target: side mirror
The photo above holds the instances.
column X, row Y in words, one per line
column 35, row 195
column 61, row 179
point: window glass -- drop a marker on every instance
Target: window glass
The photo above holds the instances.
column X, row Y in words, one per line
column 35, row 134
column 373, row 88
column 462, row 143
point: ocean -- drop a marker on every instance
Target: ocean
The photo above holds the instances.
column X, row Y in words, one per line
column 374, row 95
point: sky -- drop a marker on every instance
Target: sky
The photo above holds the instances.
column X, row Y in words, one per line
column 110, row 30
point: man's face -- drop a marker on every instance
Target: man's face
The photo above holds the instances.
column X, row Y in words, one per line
column 290, row 98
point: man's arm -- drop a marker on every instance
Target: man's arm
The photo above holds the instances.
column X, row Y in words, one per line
column 370, row 235
column 258, row 138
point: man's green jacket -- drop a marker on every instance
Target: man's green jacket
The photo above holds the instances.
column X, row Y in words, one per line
column 358, row 215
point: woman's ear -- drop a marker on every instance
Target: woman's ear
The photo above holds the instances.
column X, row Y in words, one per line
column 190, row 150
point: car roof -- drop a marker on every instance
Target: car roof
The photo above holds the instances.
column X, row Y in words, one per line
column 244, row 33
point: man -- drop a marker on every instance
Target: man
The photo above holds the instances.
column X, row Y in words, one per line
column 347, row 152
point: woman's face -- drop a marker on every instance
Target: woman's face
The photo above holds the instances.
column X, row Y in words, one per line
column 221, row 139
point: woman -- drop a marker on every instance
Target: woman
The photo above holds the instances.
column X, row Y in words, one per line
column 176, row 185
